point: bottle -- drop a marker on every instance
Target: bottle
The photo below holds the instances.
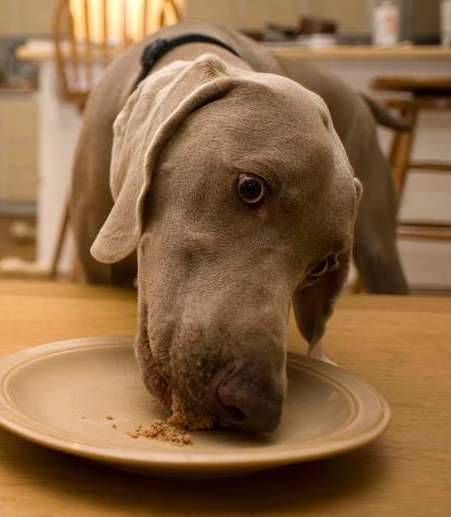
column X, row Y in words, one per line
column 386, row 24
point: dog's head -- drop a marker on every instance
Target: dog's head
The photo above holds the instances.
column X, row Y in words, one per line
column 237, row 193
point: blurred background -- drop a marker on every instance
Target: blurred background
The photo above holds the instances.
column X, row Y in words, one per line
column 52, row 52
column 34, row 17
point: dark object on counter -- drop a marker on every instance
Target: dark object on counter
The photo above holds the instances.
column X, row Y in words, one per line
column 307, row 26
column 273, row 32
column 289, row 32
column 311, row 25
column 421, row 21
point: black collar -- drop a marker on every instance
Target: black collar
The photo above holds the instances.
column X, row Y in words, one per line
column 161, row 46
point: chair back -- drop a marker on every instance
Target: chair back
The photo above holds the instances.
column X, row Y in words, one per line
column 87, row 35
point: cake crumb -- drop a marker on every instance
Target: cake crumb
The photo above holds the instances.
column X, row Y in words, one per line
column 83, row 418
column 114, row 426
column 162, row 431
column 109, row 417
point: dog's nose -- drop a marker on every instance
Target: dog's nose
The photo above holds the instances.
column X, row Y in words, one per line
column 244, row 396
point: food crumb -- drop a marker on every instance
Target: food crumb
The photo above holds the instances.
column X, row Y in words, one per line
column 109, row 417
column 114, row 426
column 162, row 431
column 182, row 417
column 183, row 420
column 83, row 418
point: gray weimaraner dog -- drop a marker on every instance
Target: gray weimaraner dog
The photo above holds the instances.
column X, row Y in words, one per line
column 234, row 197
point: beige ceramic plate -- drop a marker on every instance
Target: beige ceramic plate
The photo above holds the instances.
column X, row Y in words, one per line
column 60, row 394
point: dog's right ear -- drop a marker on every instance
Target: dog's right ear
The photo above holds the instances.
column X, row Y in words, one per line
column 150, row 117
column 314, row 304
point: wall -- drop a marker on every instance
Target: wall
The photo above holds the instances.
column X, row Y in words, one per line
column 25, row 16
column 34, row 16
column 351, row 14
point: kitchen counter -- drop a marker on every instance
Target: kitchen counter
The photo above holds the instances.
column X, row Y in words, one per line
column 41, row 50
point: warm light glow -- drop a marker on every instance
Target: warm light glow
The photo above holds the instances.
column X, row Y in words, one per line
column 118, row 10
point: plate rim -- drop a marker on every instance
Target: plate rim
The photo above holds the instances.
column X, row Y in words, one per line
column 180, row 459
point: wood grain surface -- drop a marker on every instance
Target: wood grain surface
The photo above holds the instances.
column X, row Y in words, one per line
column 400, row 345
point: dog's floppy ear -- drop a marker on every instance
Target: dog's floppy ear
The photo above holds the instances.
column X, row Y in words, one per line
column 313, row 305
column 151, row 115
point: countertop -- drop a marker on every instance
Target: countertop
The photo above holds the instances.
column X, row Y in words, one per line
column 400, row 345
column 42, row 50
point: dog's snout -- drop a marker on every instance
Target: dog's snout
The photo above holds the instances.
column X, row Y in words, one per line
column 243, row 395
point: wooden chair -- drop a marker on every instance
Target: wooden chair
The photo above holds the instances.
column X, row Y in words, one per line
column 419, row 94
column 84, row 45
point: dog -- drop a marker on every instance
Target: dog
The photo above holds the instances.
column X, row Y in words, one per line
column 229, row 181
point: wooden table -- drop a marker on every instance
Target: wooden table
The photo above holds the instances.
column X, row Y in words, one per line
column 400, row 345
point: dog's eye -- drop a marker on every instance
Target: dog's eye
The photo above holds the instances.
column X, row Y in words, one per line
column 327, row 264
column 251, row 189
